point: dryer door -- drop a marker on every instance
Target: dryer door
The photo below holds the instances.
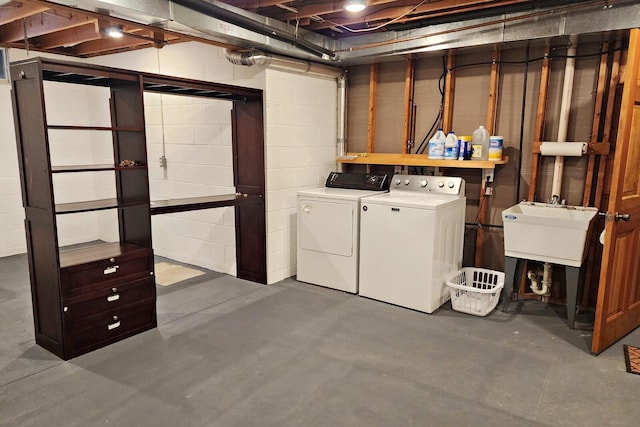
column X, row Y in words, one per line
column 326, row 227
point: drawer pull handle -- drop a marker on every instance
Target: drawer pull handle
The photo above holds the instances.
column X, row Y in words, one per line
column 111, row 270
column 112, row 298
column 112, row 326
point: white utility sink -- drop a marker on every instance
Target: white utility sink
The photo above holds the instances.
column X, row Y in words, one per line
column 547, row 232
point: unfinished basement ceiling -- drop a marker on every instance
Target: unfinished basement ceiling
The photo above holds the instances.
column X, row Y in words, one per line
column 331, row 19
column 315, row 30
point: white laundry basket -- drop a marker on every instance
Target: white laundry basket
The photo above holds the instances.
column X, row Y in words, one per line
column 475, row 290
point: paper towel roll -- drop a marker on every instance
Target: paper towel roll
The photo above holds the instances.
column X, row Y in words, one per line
column 563, row 148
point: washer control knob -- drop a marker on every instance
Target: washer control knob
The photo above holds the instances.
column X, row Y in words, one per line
column 423, row 183
column 451, row 184
column 440, row 184
column 397, row 182
column 406, row 182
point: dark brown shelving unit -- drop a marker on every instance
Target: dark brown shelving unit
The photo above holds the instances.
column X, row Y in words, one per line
column 90, row 296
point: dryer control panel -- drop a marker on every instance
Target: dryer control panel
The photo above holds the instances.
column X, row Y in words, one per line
column 449, row 185
column 358, row 181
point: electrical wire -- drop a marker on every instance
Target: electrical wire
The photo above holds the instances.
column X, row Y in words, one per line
column 364, row 30
column 441, row 86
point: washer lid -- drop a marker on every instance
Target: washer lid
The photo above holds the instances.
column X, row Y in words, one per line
column 413, row 199
column 337, row 193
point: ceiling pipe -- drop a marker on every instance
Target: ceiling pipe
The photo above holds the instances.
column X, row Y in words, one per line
column 281, row 62
column 305, row 67
column 241, row 21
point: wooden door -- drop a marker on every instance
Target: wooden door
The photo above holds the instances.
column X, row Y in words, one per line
column 618, row 306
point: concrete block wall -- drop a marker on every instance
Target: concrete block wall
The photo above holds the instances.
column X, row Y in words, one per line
column 300, row 139
column 194, row 134
column 301, row 120
column 12, row 240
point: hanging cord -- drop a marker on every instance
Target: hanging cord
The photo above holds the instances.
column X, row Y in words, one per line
column 441, row 86
column 26, row 39
column 163, row 159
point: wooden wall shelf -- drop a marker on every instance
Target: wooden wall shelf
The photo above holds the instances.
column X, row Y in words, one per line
column 416, row 160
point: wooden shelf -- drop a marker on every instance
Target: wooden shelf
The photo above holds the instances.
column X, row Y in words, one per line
column 192, row 203
column 100, row 128
column 96, row 205
column 417, row 160
column 92, row 168
column 83, row 255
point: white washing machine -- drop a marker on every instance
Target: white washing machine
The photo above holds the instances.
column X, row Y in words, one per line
column 328, row 229
column 410, row 239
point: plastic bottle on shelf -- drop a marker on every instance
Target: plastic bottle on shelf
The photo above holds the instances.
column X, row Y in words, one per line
column 451, row 147
column 435, row 149
column 480, row 144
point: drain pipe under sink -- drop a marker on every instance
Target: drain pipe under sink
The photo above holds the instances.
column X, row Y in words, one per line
column 546, row 280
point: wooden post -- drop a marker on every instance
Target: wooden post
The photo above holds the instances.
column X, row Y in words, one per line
column 408, row 106
column 373, row 91
column 447, row 113
column 595, row 127
column 539, row 129
column 608, row 120
column 491, row 118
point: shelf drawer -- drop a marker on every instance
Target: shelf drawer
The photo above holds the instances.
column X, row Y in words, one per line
column 101, row 274
column 112, row 298
column 97, row 331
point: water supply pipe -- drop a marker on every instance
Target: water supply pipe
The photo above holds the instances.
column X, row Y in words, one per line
column 342, row 116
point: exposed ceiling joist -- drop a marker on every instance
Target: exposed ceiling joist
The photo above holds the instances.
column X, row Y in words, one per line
column 16, row 10
column 69, row 37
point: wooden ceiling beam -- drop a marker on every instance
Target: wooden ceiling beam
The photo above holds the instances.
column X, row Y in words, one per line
column 40, row 24
column 69, row 37
column 16, row 10
column 256, row 4
column 108, row 44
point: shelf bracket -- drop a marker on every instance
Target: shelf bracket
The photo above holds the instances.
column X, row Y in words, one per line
column 487, row 174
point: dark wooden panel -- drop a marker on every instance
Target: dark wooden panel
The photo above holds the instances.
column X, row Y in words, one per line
column 187, row 87
column 108, row 327
column 249, row 171
column 31, row 136
column 248, row 147
column 103, row 273
column 192, row 203
column 251, row 247
column 135, row 225
column 112, row 298
column 43, row 268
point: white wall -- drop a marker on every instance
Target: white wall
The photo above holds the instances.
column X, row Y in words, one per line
column 300, row 137
column 301, row 150
column 12, row 240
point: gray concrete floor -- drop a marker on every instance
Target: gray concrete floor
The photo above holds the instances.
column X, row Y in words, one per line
column 233, row 353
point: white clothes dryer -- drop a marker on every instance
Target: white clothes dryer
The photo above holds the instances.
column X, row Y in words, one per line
column 328, row 229
column 411, row 238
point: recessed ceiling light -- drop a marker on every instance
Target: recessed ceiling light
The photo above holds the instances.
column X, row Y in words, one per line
column 115, row 32
column 355, row 5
